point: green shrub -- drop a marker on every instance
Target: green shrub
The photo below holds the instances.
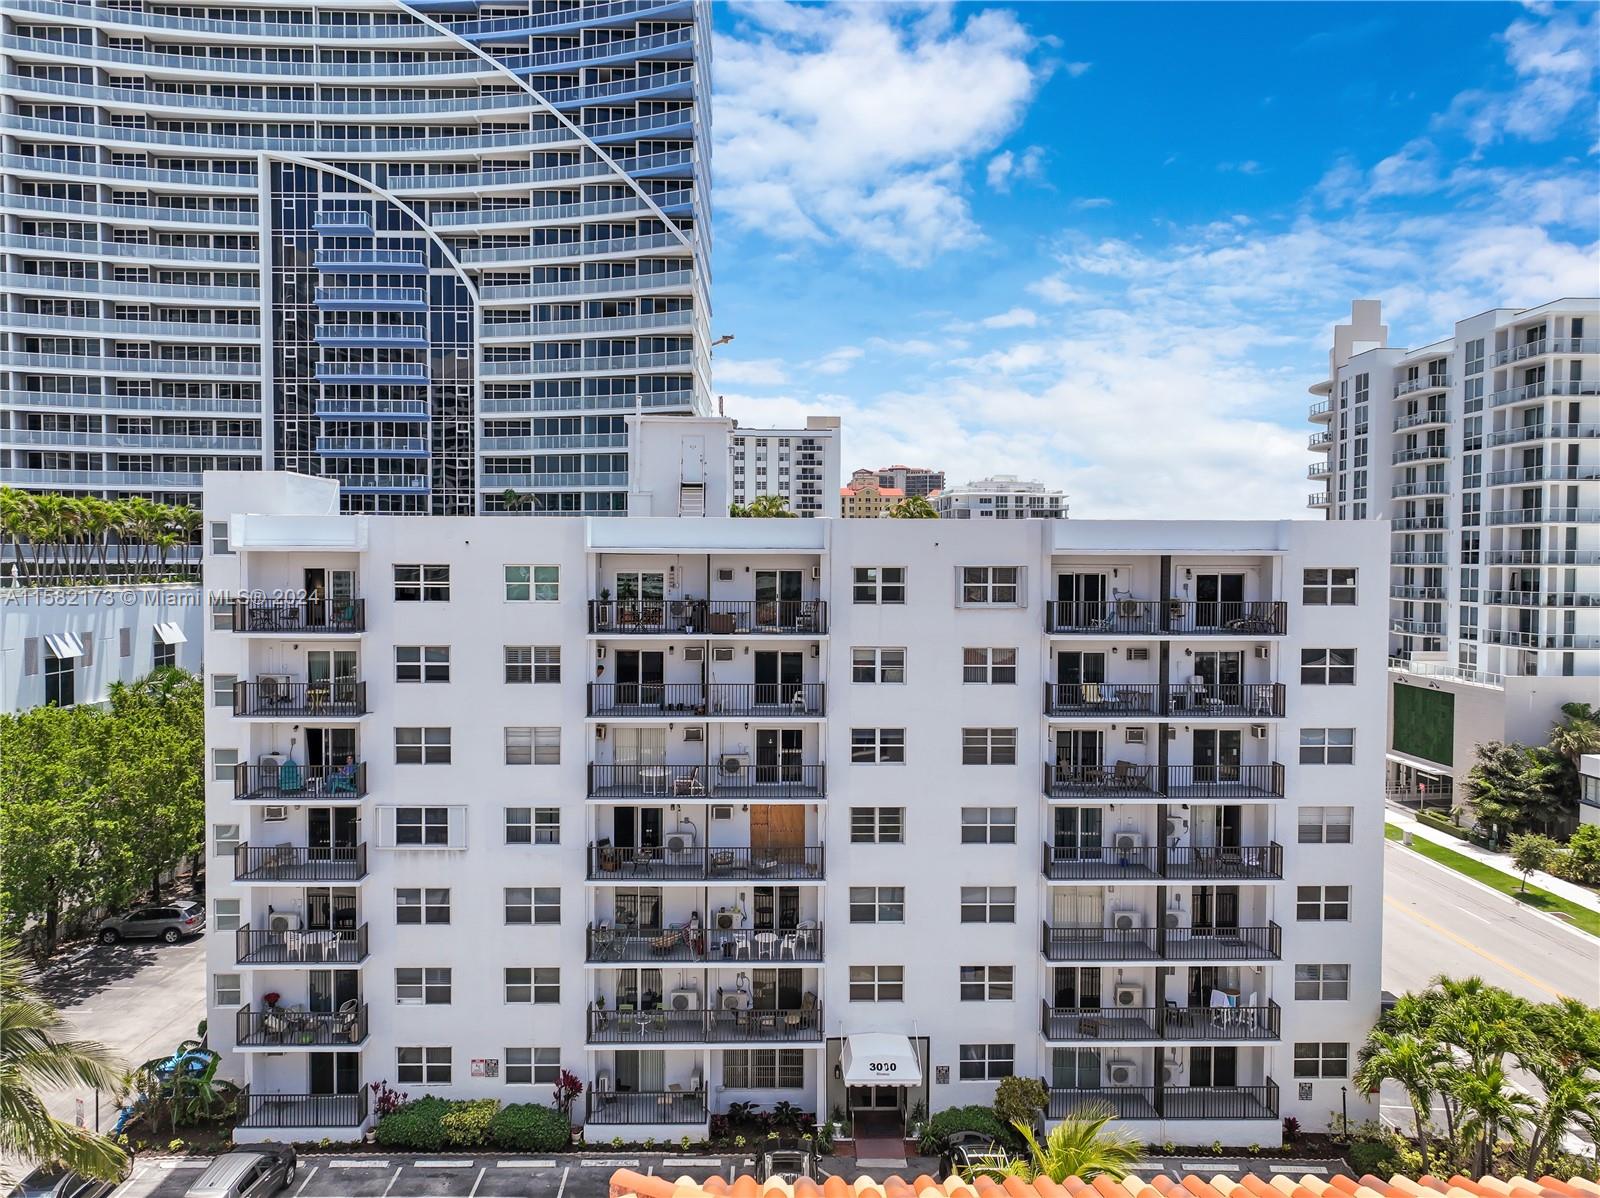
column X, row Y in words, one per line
column 466, row 1123
column 528, row 1127
column 1580, row 861
column 955, row 1119
column 1020, row 1099
column 1442, row 823
column 1383, row 1156
column 416, row 1126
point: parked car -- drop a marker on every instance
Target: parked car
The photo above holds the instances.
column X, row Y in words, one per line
column 255, row 1172
column 788, row 1164
column 72, row 1185
column 170, row 922
column 968, row 1152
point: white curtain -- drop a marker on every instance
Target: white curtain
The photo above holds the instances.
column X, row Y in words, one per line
column 1078, row 907
column 640, row 746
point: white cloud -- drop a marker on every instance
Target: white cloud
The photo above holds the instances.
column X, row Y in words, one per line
column 759, row 372
column 1083, row 203
column 918, row 347
column 1552, row 52
column 1248, row 167
column 837, row 361
column 1006, row 167
column 1075, row 69
column 852, row 124
column 1015, row 318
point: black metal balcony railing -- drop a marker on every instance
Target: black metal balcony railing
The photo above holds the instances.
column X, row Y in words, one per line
column 709, row 617
column 276, row 1027
column 1192, row 700
column 705, row 864
column 1170, row 1102
column 707, row 783
column 261, row 946
column 675, row 700
column 1168, row 617
column 1188, row 782
column 1117, row 617
column 335, row 698
column 1161, row 1023
column 287, row 863
column 605, row 943
column 645, row 1106
column 302, row 1110
column 692, row 1027
column 1162, row 944
column 308, row 616
column 295, row 783
column 1076, row 863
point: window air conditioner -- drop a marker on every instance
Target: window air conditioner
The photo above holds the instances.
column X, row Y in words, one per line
column 1138, row 653
column 694, row 653
column 1134, row 736
column 816, row 573
column 1263, row 652
column 274, row 815
column 684, row 1000
column 724, row 574
column 1127, row 921
column 283, row 921
column 1121, row 1073
column 1128, row 994
column 722, row 811
column 1172, row 733
column 694, row 736
column 722, row 653
column 1258, row 731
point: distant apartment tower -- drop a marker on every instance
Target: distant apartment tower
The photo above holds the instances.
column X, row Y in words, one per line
column 801, row 465
column 864, row 498
column 911, row 480
column 1482, row 450
column 1001, row 497
column 435, row 254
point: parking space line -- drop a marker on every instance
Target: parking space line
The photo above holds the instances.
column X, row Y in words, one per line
column 1317, row 1169
column 392, row 1180
column 478, row 1181
column 358, row 1164
column 703, row 1162
column 562, row 1188
column 183, row 1163
column 525, row 1164
column 306, row 1182
column 441, row 1164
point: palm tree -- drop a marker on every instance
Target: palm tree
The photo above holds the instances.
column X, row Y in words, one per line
column 1079, row 1146
column 1489, row 1106
column 37, row 1053
column 16, row 515
column 1415, row 1062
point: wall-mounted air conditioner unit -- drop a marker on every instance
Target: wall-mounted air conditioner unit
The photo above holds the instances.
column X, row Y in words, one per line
column 732, row 1002
column 1127, row 842
column 733, row 764
column 1263, row 652
column 1127, row 921
column 1128, row 994
column 724, row 574
column 722, row 653
column 724, row 919
column 694, row 653
column 1121, row 1073
column 1134, row 736
column 283, row 921
column 1173, row 1069
column 694, row 736
column 1172, row 920
column 1172, row 733
column 682, row 841
column 1138, row 653
column 684, row 1000
column 1176, row 826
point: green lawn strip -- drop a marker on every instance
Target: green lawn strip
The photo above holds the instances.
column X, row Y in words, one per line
column 1507, row 884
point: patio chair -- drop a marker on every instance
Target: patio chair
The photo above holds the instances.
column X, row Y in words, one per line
column 345, row 1019
column 290, row 779
column 690, row 785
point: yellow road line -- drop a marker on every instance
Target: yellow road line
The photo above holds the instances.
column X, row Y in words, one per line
column 1471, row 947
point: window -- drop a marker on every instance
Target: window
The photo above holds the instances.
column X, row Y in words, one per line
column 1327, row 667
column 877, row 825
column 422, row 746
column 60, row 681
column 223, row 763
column 519, row 663
column 880, row 584
column 987, row 1062
column 529, row 905
column 422, row 584
column 1326, row 825
column 533, row 746
column 1330, row 1058
column 423, row 1066
column 221, row 621
column 529, row 985
column 1329, row 587
column 421, row 826
column 538, row 584
column 547, row 663
column 995, row 666
column 988, row 746
column 224, row 839
column 877, row 904
column 991, row 585
column 877, row 983
column 532, row 1066
column 877, row 665
column 878, row 746
column 533, row 825
column 987, row 983
column 422, row 987
column 764, row 1069
column 162, row 655
column 219, row 537
column 422, row 663
column 225, row 915
column 222, row 689
column 225, row 990
column 988, row 904
column 1322, row 903
column 419, row 905
column 1327, row 746
column 988, row 825
column 1324, row 983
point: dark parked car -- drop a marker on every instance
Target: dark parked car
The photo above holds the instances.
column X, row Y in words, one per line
column 968, row 1151
column 255, row 1172
column 170, row 922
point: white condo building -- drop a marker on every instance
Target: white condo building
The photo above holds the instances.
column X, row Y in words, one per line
column 1482, row 452
column 1000, row 497
column 434, row 251
column 800, row 465
column 853, row 814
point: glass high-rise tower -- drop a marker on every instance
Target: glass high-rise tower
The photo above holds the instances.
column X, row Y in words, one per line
column 436, row 251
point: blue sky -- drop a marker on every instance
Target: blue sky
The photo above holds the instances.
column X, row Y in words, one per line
column 1104, row 244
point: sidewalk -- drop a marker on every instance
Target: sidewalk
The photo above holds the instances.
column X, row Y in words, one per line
column 1570, row 891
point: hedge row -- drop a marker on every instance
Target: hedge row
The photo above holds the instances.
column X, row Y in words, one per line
column 435, row 1124
column 1442, row 823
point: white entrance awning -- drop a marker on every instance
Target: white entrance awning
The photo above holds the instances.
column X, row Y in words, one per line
column 63, row 645
column 880, row 1059
column 170, row 634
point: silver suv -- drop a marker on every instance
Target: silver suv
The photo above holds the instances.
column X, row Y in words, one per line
column 170, row 922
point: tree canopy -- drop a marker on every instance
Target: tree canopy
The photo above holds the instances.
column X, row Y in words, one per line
column 63, row 540
column 763, row 507
column 913, row 507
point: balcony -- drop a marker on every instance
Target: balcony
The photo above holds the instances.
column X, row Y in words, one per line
column 1432, row 382
column 712, row 782
column 611, row 863
column 677, row 700
column 1421, row 419
column 709, row 617
column 1073, row 1024
column 286, row 863
column 1547, row 472
column 608, row 945
column 1147, row 700
column 637, row 1108
column 1171, row 1102
column 279, row 1028
column 1318, row 499
column 1418, row 523
column 309, row 617
column 1161, row 944
column 291, row 782
column 1188, row 783
column 1534, row 515
column 1542, row 598
column 1319, row 470
column 280, row 699
column 1419, row 453
column 1156, row 863
column 302, row 1110
column 1172, row 617
column 1319, row 442
column 1432, row 486
column 311, row 946
column 1320, row 411
column 705, row 1027
column 1544, row 557
column 1540, row 432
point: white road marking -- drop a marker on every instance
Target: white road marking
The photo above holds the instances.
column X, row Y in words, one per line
column 476, row 1182
column 1318, row 1170
column 704, row 1162
column 183, row 1163
column 1470, row 915
column 650, row 1172
column 441, row 1164
column 1197, row 1167
column 358, row 1164
column 306, row 1181
column 562, row 1188
column 527, row 1164
column 610, row 1163
column 392, row 1180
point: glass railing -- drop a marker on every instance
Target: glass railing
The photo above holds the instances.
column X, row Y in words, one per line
column 130, row 403
column 333, row 296
column 576, row 249
column 617, row 362
column 243, row 181
column 478, row 180
column 374, row 445
column 138, row 213
column 558, row 212
column 72, row 362
column 168, row 291
column 555, row 441
column 582, row 478
column 128, row 479
column 602, row 324
column 133, row 328
column 126, row 249
column 671, row 280
column 130, row 441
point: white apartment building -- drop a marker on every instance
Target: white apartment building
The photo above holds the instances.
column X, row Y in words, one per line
column 853, row 814
column 1000, row 497
column 801, row 465
column 1482, row 451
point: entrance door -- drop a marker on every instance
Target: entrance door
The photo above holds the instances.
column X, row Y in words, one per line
column 1075, row 668
column 636, row 827
column 1079, row 755
column 335, row 1073
column 1216, row 754
column 777, row 598
column 776, row 908
column 1080, row 599
column 1077, row 834
column 329, row 748
column 778, row 754
column 1214, row 1067
column 1216, row 909
column 1219, row 598
column 640, row 677
column 330, row 909
column 777, row 826
column 778, row 676
column 877, row 1099
column 334, row 672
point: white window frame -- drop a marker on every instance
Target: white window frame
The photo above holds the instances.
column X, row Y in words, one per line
column 222, row 689
column 519, row 665
column 991, row 586
column 421, row 583
column 986, row 1062
column 1327, row 746
column 531, row 583
column 1321, row 1059
column 422, row 986
column 1316, row 819
column 220, row 542
column 987, row 983
column 425, row 824
column 1318, row 667
column 989, row 665
column 877, row 983
column 223, row 762
column 427, row 902
column 988, row 904
column 542, row 906
column 1322, row 904
column 878, row 666
column 1328, row 586
column 227, row 915
column 225, row 838
column 877, row 746
column 227, row 989
column 988, row 746
column 532, row 1066
column 422, row 746
column 878, row 585
column 988, row 825
column 423, row 1065
column 421, row 663
column 1322, row 983
column 877, row 825
column 877, row 904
